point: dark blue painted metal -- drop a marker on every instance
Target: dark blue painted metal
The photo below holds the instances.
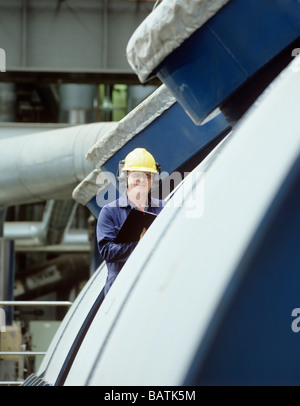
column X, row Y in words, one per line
column 227, row 51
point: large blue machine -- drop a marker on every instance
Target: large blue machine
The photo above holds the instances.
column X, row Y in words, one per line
column 245, row 43
column 227, row 324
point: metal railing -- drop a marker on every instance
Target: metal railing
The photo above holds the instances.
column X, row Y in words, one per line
column 27, row 353
column 34, row 303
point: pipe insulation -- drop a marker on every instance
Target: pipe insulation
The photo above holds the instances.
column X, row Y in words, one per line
column 46, row 165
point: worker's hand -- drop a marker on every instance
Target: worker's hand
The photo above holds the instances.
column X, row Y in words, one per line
column 143, row 232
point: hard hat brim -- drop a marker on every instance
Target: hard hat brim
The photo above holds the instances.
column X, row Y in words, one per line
column 139, row 169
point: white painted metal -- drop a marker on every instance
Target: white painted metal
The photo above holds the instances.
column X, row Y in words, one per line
column 70, row 326
column 150, row 324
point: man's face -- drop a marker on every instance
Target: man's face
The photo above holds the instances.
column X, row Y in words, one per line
column 139, row 181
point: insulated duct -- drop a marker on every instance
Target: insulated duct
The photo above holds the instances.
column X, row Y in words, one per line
column 46, row 165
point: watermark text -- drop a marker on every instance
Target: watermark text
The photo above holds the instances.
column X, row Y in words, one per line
column 296, row 322
column 174, row 187
column 133, row 397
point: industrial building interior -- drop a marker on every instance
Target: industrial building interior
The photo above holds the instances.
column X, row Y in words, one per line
column 65, row 66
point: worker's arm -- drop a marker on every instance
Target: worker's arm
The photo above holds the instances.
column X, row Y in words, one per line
column 143, row 233
column 106, row 234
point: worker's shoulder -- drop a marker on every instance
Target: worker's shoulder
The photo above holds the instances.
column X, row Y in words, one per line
column 108, row 211
column 157, row 202
column 114, row 205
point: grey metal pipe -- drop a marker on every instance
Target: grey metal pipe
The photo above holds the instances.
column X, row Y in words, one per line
column 57, row 218
column 47, row 165
column 23, row 230
column 32, row 235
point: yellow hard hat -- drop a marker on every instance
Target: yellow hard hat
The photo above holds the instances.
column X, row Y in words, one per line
column 140, row 160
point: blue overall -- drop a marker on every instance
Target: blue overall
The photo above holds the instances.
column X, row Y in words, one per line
column 110, row 220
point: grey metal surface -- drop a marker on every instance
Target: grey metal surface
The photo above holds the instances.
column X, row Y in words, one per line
column 86, row 34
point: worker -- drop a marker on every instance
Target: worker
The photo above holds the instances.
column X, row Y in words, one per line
column 139, row 170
